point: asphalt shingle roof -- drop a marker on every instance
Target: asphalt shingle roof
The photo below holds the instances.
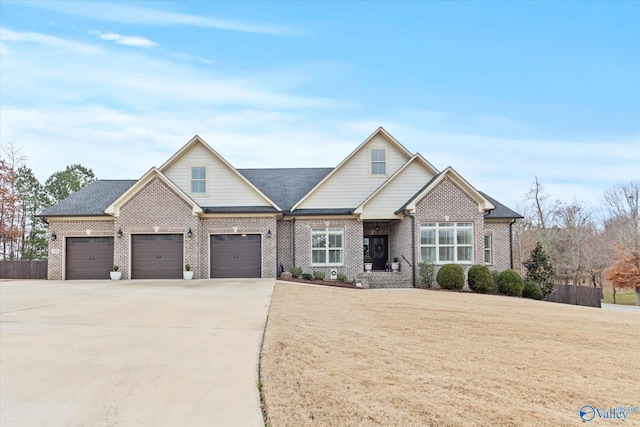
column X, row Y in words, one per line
column 91, row 200
column 285, row 186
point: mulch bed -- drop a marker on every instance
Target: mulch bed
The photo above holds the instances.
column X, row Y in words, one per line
column 334, row 283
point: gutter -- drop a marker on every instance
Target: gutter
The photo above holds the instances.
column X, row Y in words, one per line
column 413, row 250
column 511, row 242
column 293, row 241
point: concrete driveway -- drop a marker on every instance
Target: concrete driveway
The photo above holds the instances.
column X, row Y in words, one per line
column 154, row 353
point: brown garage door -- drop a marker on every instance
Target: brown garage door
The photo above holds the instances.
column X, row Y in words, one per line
column 236, row 255
column 156, row 256
column 89, row 258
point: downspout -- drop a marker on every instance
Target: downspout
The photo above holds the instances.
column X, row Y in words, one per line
column 511, row 242
column 413, row 250
column 293, row 242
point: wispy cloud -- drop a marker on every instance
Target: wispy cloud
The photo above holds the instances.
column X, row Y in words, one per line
column 127, row 14
column 135, row 41
column 12, row 36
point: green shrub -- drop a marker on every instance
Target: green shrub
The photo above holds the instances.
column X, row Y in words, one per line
column 296, row 272
column 450, row 276
column 427, row 272
column 367, row 259
column 307, row 276
column 510, row 283
column 532, row 290
column 318, row 275
column 480, row 279
column 495, row 274
column 342, row 277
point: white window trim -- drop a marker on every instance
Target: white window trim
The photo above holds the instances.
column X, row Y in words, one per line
column 327, row 248
column 489, row 249
column 455, row 244
column 206, row 180
column 371, row 162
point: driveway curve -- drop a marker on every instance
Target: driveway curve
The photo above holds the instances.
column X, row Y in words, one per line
column 156, row 353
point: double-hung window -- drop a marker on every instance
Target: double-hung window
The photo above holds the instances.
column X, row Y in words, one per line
column 445, row 242
column 378, row 162
column 198, row 180
column 488, row 253
column 327, row 246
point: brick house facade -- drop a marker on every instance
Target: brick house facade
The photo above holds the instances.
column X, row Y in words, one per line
column 197, row 209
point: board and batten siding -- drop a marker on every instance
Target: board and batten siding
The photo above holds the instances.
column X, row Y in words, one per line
column 224, row 187
column 404, row 186
column 353, row 182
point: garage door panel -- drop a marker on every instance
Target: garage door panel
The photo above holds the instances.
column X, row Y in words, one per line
column 234, row 255
column 88, row 258
column 156, row 256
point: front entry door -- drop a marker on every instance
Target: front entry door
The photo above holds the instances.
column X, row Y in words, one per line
column 376, row 247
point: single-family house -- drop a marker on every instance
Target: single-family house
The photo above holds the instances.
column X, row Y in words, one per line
column 381, row 200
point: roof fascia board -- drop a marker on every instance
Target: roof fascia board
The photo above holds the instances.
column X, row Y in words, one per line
column 195, row 140
column 114, row 208
column 379, row 131
column 101, row 217
column 483, row 203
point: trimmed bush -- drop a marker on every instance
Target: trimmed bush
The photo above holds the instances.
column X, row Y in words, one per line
column 427, row 272
column 318, row 275
column 510, row 283
column 342, row 277
column 296, row 272
column 479, row 279
column 532, row 290
column 307, row 276
column 495, row 274
column 450, row 276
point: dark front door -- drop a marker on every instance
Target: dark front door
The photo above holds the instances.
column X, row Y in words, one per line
column 236, row 255
column 156, row 256
column 376, row 248
column 89, row 258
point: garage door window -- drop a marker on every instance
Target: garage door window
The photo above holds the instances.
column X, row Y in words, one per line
column 327, row 246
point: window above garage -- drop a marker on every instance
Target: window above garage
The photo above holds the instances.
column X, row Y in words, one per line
column 198, row 180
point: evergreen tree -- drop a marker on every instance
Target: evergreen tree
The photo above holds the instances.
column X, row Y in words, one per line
column 540, row 269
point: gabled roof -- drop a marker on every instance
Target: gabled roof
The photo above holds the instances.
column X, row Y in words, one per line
column 501, row 211
column 197, row 140
column 285, row 186
column 416, row 158
column 483, row 203
column 114, row 208
column 379, row 131
column 91, row 200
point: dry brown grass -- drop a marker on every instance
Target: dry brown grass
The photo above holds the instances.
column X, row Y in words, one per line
column 344, row 357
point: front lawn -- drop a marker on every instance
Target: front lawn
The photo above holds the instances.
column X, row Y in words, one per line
column 409, row 357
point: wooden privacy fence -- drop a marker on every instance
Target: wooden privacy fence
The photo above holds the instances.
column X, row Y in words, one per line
column 576, row 295
column 23, row 269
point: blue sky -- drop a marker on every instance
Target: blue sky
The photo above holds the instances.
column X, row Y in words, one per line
column 500, row 91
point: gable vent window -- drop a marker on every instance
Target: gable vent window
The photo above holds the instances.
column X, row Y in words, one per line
column 198, row 180
column 378, row 162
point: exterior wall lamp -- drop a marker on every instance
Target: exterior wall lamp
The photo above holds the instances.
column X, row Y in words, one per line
column 190, row 233
column 120, row 233
column 269, row 234
column 54, row 236
column 377, row 228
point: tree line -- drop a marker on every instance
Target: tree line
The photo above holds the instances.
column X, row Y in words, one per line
column 23, row 236
column 586, row 245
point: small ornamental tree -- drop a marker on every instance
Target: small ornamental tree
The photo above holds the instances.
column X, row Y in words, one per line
column 540, row 270
column 450, row 276
column 427, row 272
column 480, row 279
column 625, row 272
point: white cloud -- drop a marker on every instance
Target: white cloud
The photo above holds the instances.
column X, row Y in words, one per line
column 146, row 16
column 12, row 36
column 135, row 41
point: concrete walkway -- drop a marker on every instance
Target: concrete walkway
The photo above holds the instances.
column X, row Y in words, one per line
column 620, row 307
column 155, row 353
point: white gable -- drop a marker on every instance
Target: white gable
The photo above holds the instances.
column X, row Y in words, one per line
column 400, row 188
column 352, row 181
column 224, row 185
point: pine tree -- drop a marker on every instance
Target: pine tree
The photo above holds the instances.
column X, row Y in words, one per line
column 540, row 269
